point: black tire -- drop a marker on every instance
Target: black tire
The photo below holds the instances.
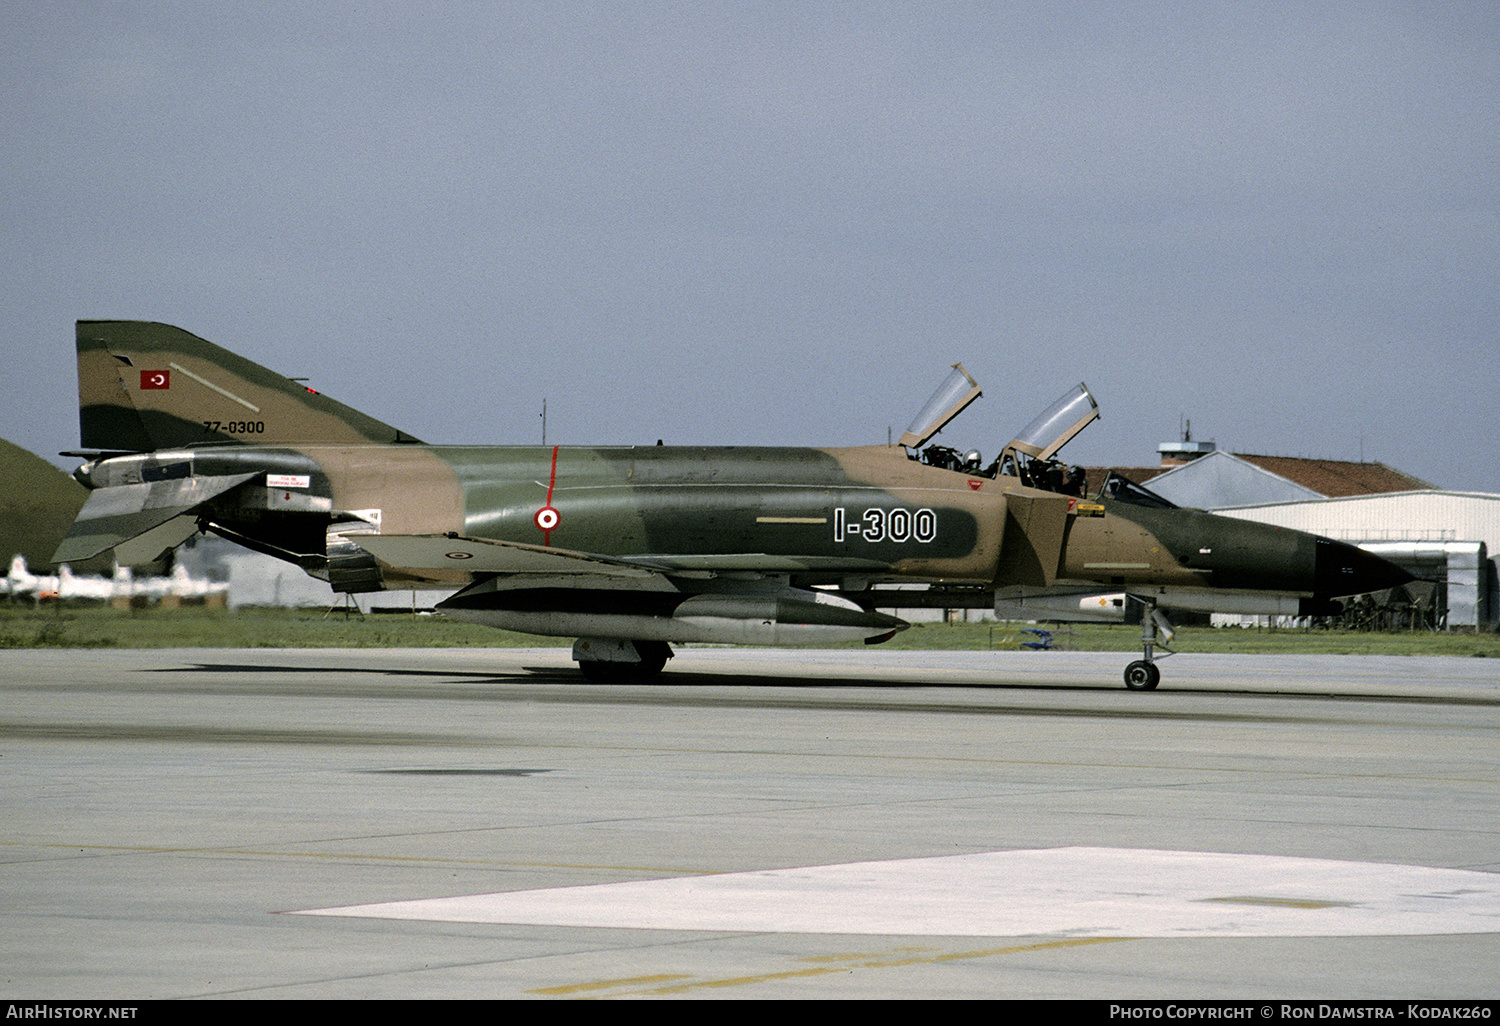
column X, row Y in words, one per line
column 654, row 656
column 599, row 671
column 1142, row 676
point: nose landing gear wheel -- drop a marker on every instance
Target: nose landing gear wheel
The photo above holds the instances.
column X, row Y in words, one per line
column 1156, row 632
column 1142, row 676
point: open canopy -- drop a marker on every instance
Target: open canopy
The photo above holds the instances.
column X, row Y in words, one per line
column 1056, row 426
column 953, row 396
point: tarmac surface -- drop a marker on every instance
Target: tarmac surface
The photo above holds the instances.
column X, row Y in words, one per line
column 483, row 823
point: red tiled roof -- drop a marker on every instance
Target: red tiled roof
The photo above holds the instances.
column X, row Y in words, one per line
column 1333, row 479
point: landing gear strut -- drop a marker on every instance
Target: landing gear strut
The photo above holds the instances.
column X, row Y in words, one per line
column 1143, row 674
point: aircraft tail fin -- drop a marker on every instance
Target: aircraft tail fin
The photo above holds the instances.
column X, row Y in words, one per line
column 144, row 386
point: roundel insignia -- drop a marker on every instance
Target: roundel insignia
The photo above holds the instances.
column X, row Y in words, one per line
column 460, row 555
column 547, row 518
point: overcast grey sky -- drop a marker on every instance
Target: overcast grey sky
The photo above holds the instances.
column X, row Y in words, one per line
column 778, row 223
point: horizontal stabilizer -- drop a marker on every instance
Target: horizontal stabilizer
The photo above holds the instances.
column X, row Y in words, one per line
column 113, row 516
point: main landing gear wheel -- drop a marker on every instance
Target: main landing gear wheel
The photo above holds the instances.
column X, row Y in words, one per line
column 1142, row 676
column 653, row 658
column 601, row 672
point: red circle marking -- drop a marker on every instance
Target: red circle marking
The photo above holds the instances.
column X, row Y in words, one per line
column 547, row 518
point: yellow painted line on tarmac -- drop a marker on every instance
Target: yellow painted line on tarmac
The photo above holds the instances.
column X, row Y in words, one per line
column 629, row 981
column 1282, row 902
column 842, row 964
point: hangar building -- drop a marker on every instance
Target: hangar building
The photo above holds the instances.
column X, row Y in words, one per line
column 1447, row 537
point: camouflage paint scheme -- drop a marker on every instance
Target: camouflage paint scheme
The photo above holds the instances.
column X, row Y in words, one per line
column 629, row 547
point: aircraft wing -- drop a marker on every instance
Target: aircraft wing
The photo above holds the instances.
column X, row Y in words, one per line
column 485, row 556
column 545, row 590
column 489, row 556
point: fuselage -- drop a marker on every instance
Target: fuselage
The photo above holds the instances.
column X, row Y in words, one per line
column 816, row 515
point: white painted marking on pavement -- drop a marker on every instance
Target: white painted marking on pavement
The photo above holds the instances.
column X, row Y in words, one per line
column 1076, row 892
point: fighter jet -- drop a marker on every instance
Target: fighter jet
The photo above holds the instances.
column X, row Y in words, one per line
column 630, row 549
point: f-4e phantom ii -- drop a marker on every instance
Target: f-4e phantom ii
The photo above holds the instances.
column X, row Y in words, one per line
column 631, row 549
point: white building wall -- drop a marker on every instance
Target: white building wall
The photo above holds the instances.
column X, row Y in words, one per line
column 1399, row 516
column 1464, row 525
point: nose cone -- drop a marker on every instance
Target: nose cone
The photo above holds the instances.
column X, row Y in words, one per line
column 1341, row 569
